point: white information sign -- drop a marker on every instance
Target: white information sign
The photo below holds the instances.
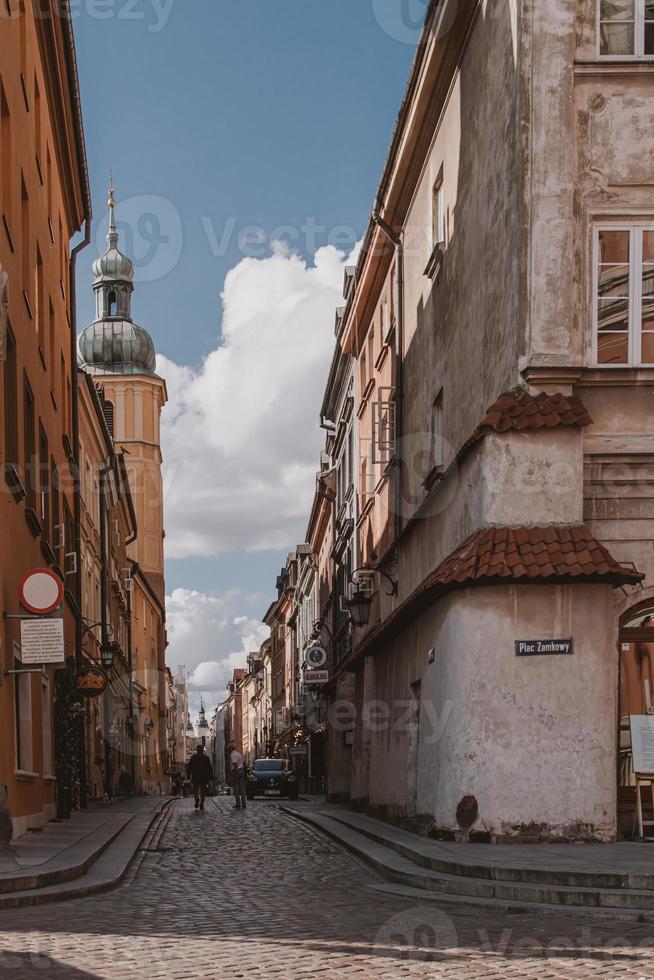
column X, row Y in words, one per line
column 42, row 641
column 316, row 676
column 642, row 743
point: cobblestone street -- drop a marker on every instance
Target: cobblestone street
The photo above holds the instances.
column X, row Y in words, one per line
column 233, row 894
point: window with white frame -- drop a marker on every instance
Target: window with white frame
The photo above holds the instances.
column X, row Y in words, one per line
column 626, row 28
column 438, row 211
column 623, row 302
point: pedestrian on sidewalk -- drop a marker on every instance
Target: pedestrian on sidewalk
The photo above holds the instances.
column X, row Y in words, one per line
column 200, row 772
column 237, row 770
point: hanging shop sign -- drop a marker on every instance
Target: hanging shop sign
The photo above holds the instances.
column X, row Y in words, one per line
column 41, row 591
column 91, row 681
column 316, row 676
column 315, row 657
column 543, row 648
column 298, row 750
column 42, row 641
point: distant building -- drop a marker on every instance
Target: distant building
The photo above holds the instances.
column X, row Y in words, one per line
column 120, row 354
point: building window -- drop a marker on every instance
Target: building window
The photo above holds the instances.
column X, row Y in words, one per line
column 11, row 401
column 5, row 154
column 44, row 482
column 47, row 726
column 30, row 449
column 437, row 449
column 626, row 28
column 111, row 303
column 438, row 211
column 623, row 303
column 23, row 716
column 56, row 536
column 108, row 410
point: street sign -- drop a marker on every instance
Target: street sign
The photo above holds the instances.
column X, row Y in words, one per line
column 316, row 676
column 91, row 681
column 315, row 657
column 41, row 591
column 543, row 648
column 298, row 750
column 42, row 641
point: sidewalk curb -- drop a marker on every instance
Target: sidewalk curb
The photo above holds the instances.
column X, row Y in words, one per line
column 104, row 870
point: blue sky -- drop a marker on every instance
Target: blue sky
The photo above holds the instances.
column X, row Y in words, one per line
column 216, row 116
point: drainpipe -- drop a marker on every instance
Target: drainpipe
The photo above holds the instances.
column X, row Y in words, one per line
column 132, row 726
column 396, row 241
column 104, row 626
column 77, row 505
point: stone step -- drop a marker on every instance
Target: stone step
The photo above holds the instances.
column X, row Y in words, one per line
column 500, row 905
column 71, row 863
column 426, row 854
column 627, row 903
column 109, row 868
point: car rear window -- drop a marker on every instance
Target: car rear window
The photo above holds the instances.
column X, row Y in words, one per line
column 274, row 765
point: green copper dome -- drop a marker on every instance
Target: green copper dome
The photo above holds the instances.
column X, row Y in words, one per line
column 117, row 347
column 113, row 343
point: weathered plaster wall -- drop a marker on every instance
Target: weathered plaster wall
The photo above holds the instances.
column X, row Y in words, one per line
column 461, row 329
column 509, row 479
column 499, row 727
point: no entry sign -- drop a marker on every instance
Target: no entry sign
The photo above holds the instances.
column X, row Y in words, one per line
column 41, row 591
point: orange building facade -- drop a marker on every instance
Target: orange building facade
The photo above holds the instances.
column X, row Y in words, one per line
column 44, row 201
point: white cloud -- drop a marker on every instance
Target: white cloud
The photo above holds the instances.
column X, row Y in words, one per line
column 210, row 636
column 241, row 435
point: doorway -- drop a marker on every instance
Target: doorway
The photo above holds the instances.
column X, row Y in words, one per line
column 635, row 697
column 413, row 749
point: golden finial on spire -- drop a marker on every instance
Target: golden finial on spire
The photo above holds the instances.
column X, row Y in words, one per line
column 111, row 202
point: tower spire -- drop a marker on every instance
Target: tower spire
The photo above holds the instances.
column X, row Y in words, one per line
column 112, row 236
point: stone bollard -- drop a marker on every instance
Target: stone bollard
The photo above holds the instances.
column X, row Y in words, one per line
column 6, row 826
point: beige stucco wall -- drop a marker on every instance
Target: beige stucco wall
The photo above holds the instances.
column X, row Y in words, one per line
column 499, row 727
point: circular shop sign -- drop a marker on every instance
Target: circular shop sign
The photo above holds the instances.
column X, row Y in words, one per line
column 316, row 657
column 91, row 681
column 41, row 591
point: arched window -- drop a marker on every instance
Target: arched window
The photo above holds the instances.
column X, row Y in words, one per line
column 111, row 303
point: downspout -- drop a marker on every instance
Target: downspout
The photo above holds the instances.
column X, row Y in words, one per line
column 104, row 626
column 77, row 491
column 130, row 662
column 396, row 241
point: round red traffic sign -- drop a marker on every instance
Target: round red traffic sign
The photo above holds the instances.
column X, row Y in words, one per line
column 41, row 591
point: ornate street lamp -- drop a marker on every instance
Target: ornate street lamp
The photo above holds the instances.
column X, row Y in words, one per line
column 359, row 603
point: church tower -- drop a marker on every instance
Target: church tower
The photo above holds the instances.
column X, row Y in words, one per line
column 121, row 354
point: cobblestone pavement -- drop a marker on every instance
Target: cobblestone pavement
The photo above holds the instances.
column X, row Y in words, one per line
column 257, row 894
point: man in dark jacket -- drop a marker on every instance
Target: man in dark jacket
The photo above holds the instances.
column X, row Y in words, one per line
column 200, row 772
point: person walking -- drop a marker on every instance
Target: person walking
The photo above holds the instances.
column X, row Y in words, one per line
column 237, row 770
column 200, row 772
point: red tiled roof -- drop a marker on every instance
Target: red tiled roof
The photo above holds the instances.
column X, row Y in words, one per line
column 530, row 552
column 518, row 410
column 522, row 555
